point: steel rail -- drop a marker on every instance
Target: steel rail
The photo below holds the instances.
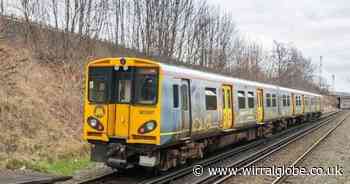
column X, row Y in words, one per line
column 282, row 178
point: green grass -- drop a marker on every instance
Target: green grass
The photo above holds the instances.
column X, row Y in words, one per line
column 63, row 167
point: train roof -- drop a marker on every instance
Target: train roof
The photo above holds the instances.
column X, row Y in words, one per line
column 192, row 73
column 180, row 70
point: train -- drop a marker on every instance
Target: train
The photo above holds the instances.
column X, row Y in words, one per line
column 144, row 113
column 344, row 102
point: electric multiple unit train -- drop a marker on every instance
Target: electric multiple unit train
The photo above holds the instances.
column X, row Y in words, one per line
column 150, row 114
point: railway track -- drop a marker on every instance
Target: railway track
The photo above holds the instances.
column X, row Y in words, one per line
column 283, row 178
column 265, row 153
column 31, row 179
column 252, row 152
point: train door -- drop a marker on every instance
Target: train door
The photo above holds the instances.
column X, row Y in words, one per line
column 227, row 107
column 122, row 107
column 259, row 105
column 185, row 98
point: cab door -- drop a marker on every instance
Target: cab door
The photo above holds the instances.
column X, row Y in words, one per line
column 259, row 105
column 227, row 107
column 123, row 92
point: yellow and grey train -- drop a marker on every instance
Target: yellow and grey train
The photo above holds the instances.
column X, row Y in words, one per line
column 139, row 112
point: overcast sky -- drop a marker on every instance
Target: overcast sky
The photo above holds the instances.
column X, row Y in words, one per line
column 317, row 27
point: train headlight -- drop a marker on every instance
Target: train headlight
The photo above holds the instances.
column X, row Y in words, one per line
column 147, row 127
column 95, row 123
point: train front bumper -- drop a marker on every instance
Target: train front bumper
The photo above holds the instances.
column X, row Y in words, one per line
column 118, row 155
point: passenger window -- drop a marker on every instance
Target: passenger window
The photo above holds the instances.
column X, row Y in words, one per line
column 250, row 100
column 288, row 100
column 223, row 99
column 274, row 100
column 306, row 101
column 210, row 99
column 268, row 100
column 297, row 101
column 229, row 100
column 241, row 99
column 284, row 100
column 176, row 96
column 184, row 97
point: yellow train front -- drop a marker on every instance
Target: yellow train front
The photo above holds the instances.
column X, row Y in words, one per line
column 140, row 112
column 122, row 111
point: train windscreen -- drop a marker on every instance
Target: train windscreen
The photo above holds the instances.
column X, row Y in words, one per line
column 124, row 85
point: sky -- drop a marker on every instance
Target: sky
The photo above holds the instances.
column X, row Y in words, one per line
column 316, row 27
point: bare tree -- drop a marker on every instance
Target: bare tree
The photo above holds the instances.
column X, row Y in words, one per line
column 54, row 7
column 2, row 9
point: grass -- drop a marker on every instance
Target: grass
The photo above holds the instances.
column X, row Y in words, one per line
column 65, row 167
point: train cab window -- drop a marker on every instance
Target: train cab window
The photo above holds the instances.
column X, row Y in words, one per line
column 268, row 100
column 175, row 96
column 100, row 84
column 146, row 82
column 210, row 98
column 97, row 89
column 124, row 91
column 251, row 100
column 274, row 100
column 241, row 99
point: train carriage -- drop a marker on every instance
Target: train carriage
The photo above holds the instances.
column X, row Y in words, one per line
column 141, row 112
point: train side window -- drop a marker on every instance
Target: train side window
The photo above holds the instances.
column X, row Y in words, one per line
column 251, row 100
column 288, row 100
column 229, row 100
column 284, row 100
column 210, row 99
column 176, row 96
column 268, row 100
column 241, row 99
column 274, row 100
column 297, row 101
column 306, row 100
column 223, row 99
column 184, row 97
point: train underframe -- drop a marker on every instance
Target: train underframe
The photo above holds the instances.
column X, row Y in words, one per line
column 117, row 154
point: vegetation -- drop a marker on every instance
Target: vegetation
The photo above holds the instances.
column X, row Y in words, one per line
column 185, row 32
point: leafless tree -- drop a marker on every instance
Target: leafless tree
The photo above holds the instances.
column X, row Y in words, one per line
column 2, row 8
column 190, row 32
